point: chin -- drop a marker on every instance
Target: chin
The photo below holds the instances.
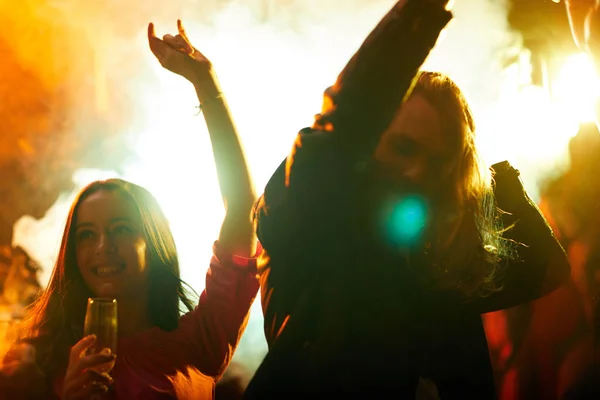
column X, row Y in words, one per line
column 107, row 290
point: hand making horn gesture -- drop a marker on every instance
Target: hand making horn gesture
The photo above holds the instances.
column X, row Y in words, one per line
column 178, row 55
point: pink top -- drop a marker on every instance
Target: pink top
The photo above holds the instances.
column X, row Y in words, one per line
column 186, row 362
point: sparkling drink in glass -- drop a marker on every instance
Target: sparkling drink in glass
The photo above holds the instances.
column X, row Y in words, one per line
column 101, row 320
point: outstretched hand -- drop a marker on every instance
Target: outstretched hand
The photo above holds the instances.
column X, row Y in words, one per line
column 177, row 54
column 83, row 377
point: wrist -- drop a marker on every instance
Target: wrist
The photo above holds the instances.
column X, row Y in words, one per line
column 210, row 103
column 208, row 94
column 207, row 85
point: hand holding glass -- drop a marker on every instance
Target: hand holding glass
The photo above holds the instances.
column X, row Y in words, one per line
column 101, row 321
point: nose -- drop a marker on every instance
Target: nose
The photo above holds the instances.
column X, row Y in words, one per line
column 105, row 244
column 415, row 172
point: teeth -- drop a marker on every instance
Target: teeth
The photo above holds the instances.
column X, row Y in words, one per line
column 107, row 270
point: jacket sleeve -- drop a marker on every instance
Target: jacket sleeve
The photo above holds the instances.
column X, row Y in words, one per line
column 540, row 264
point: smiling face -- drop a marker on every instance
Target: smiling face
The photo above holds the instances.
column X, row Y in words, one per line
column 110, row 246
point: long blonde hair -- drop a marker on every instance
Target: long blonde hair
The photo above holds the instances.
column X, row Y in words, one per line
column 466, row 245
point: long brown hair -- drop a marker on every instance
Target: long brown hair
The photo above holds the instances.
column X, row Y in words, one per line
column 54, row 322
column 466, row 238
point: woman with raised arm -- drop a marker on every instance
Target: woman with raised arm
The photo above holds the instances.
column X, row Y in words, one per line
column 117, row 244
column 383, row 243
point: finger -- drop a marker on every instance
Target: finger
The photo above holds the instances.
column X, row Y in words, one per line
column 179, row 43
column 174, row 42
column 153, row 41
column 83, row 367
column 182, row 31
column 101, row 377
column 185, row 37
column 95, row 360
column 96, row 391
column 80, row 347
column 184, row 44
column 83, row 384
column 151, row 31
column 157, row 46
column 97, row 387
column 88, row 377
column 106, row 351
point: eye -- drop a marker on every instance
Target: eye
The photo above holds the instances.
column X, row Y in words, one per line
column 122, row 230
column 84, row 234
column 405, row 148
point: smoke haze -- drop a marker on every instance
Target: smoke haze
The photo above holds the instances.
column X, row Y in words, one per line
column 274, row 59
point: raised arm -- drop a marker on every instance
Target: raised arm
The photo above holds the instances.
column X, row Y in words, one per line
column 215, row 327
column 177, row 54
column 356, row 111
column 369, row 91
column 540, row 264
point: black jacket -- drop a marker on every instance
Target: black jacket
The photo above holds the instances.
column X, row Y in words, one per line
column 343, row 320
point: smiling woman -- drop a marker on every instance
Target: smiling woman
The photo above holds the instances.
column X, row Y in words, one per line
column 123, row 246
column 117, row 243
column 109, row 224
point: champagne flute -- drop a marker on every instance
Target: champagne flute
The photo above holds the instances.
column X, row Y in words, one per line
column 101, row 320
